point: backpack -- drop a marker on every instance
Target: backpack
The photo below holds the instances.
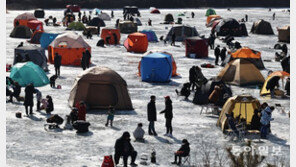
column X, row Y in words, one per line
column 108, row 161
column 55, row 119
column 81, row 126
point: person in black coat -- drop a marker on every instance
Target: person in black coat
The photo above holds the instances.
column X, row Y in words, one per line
column 272, row 83
column 182, row 152
column 57, row 63
column 83, row 61
column 285, row 49
column 115, row 39
column 87, row 60
column 29, row 91
column 49, row 107
column 152, row 116
column 52, row 80
column 286, row 64
column 223, row 54
column 16, row 91
column 185, row 91
column 212, row 40
column 124, row 148
column 217, row 54
column 192, row 77
column 173, row 39
column 255, row 122
column 287, row 86
column 168, row 114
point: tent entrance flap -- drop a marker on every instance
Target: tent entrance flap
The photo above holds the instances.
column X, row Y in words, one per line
column 101, row 95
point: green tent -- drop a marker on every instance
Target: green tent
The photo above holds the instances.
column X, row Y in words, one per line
column 25, row 73
column 210, row 12
column 181, row 14
column 78, row 26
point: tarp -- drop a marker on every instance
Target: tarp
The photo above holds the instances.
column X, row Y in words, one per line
column 156, row 67
column 100, row 87
column 196, row 47
column 21, row 32
column 26, row 73
column 46, row 39
column 151, row 36
column 181, row 32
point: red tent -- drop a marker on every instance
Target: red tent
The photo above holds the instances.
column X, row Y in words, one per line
column 155, row 11
column 74, row 8
column 35, row 25
column 196, row 47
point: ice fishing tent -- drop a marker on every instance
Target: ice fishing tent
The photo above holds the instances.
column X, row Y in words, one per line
column 104, row 16
column 136, row 42
column 241, row 72
column 246, row 53
column 127, row 27
column 156, row 67
column 21, row 32
column 284, row 34
column 92, row 29
column 156, row 53
column 35, row 25
column 46, row 39
column 73, row 8
column 196, row 47
column 262, row 27
column 26, row 73
column 181, row 32
column 100, row 87
column 78, row 26
column 230, row 27
column 168, row 19
column 70, row 46
column 243, row 105
column 282, row 74
column 201, row 96
column 35, row 54
column 211, row 19
column 35, row 38
column 154, row 10
column 39, row 13
column 96, row 11
column 210, row 12
column 109, row 32
column 23, row 19
column 131, row 10
column 151, row 35
column 96, row 21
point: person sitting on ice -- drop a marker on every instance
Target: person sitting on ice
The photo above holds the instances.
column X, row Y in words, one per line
column 139, row 132
column 182, row 152
column 49, row 108
column 232, row 123
column 185, row 91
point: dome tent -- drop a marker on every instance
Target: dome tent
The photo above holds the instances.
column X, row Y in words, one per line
column 104, row 16
column 23, row 19
column 262, row 27
column 230, row 27
column 39, row 13
column 100, row 87
column 75, row 25
column 181, row 33
column 35, row 54
column 151, row 35
column 26, row 73
column 21, row 32
column 96, row 21
column 168, row 19
column 210, row 12
column 127, row 27
column 281, row 74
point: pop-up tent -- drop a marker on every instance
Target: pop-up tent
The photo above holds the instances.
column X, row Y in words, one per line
column 157, row 53
column 35, row 54
column 73, row 8
column 127, row 27
column 230, row 27
column 181, row 32
column 151, row 35
column 156, row 67
column 246, row 54
column 35, row 25
column 241, row 72
column 104, row 16
column 26, row 73
column 196, row 47
column 75, row 25
column 262, row 27
column 35, row 38
column 282, row 74
column 211, row 18
column 284, row 34
column 210, row 12
column 243, row 105
column 46, row 39
column 136, row 42
column 168, row 19
column 96, row 11
column 39, row 13
column 21, row 32
column 23, row 19
column 99, row 88
column 96, row 21
column 110, row 32
column 70, row 46
column 154, row 10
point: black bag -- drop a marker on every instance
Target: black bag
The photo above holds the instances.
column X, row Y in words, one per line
column 81, row 126
column 55, row 119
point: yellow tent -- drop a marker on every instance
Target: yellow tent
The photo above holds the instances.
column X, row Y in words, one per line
column 282, row 74
column 241, row 104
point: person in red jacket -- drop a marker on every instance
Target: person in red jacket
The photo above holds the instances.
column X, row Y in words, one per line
column 81, row 110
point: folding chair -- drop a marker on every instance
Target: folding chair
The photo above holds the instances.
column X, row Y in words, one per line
column 186, row 160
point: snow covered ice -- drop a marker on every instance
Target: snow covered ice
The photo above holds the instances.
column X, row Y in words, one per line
column 28, row 144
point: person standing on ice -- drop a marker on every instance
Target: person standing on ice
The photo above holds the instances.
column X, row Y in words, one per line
column 152, row 115
column 29, row 91
column 192, row 14
column 57, row 63
column 110, row 116
column 81, row 110
column 168, row 114
column 38, row 98
column 173, row 39
column 217, row 54
column 192, row 77
column 273, row 16
column 149, row 22
column 223, row 54
column 83, row 61
column 246, row 17
column 87, row 60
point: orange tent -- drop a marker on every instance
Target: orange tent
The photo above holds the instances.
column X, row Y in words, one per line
column 174, row 72
column 70, row 46
column 109, row 32
column 35, row 25
column 23, row 19
column 246, row 53
column 136, row 42
column 281, row 74
column 211, row 17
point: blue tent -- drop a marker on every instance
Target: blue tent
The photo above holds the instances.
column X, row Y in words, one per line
column 156, row 67
column 26, row 73
column 151, row 36
column 46, row 39
column 96, row 11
